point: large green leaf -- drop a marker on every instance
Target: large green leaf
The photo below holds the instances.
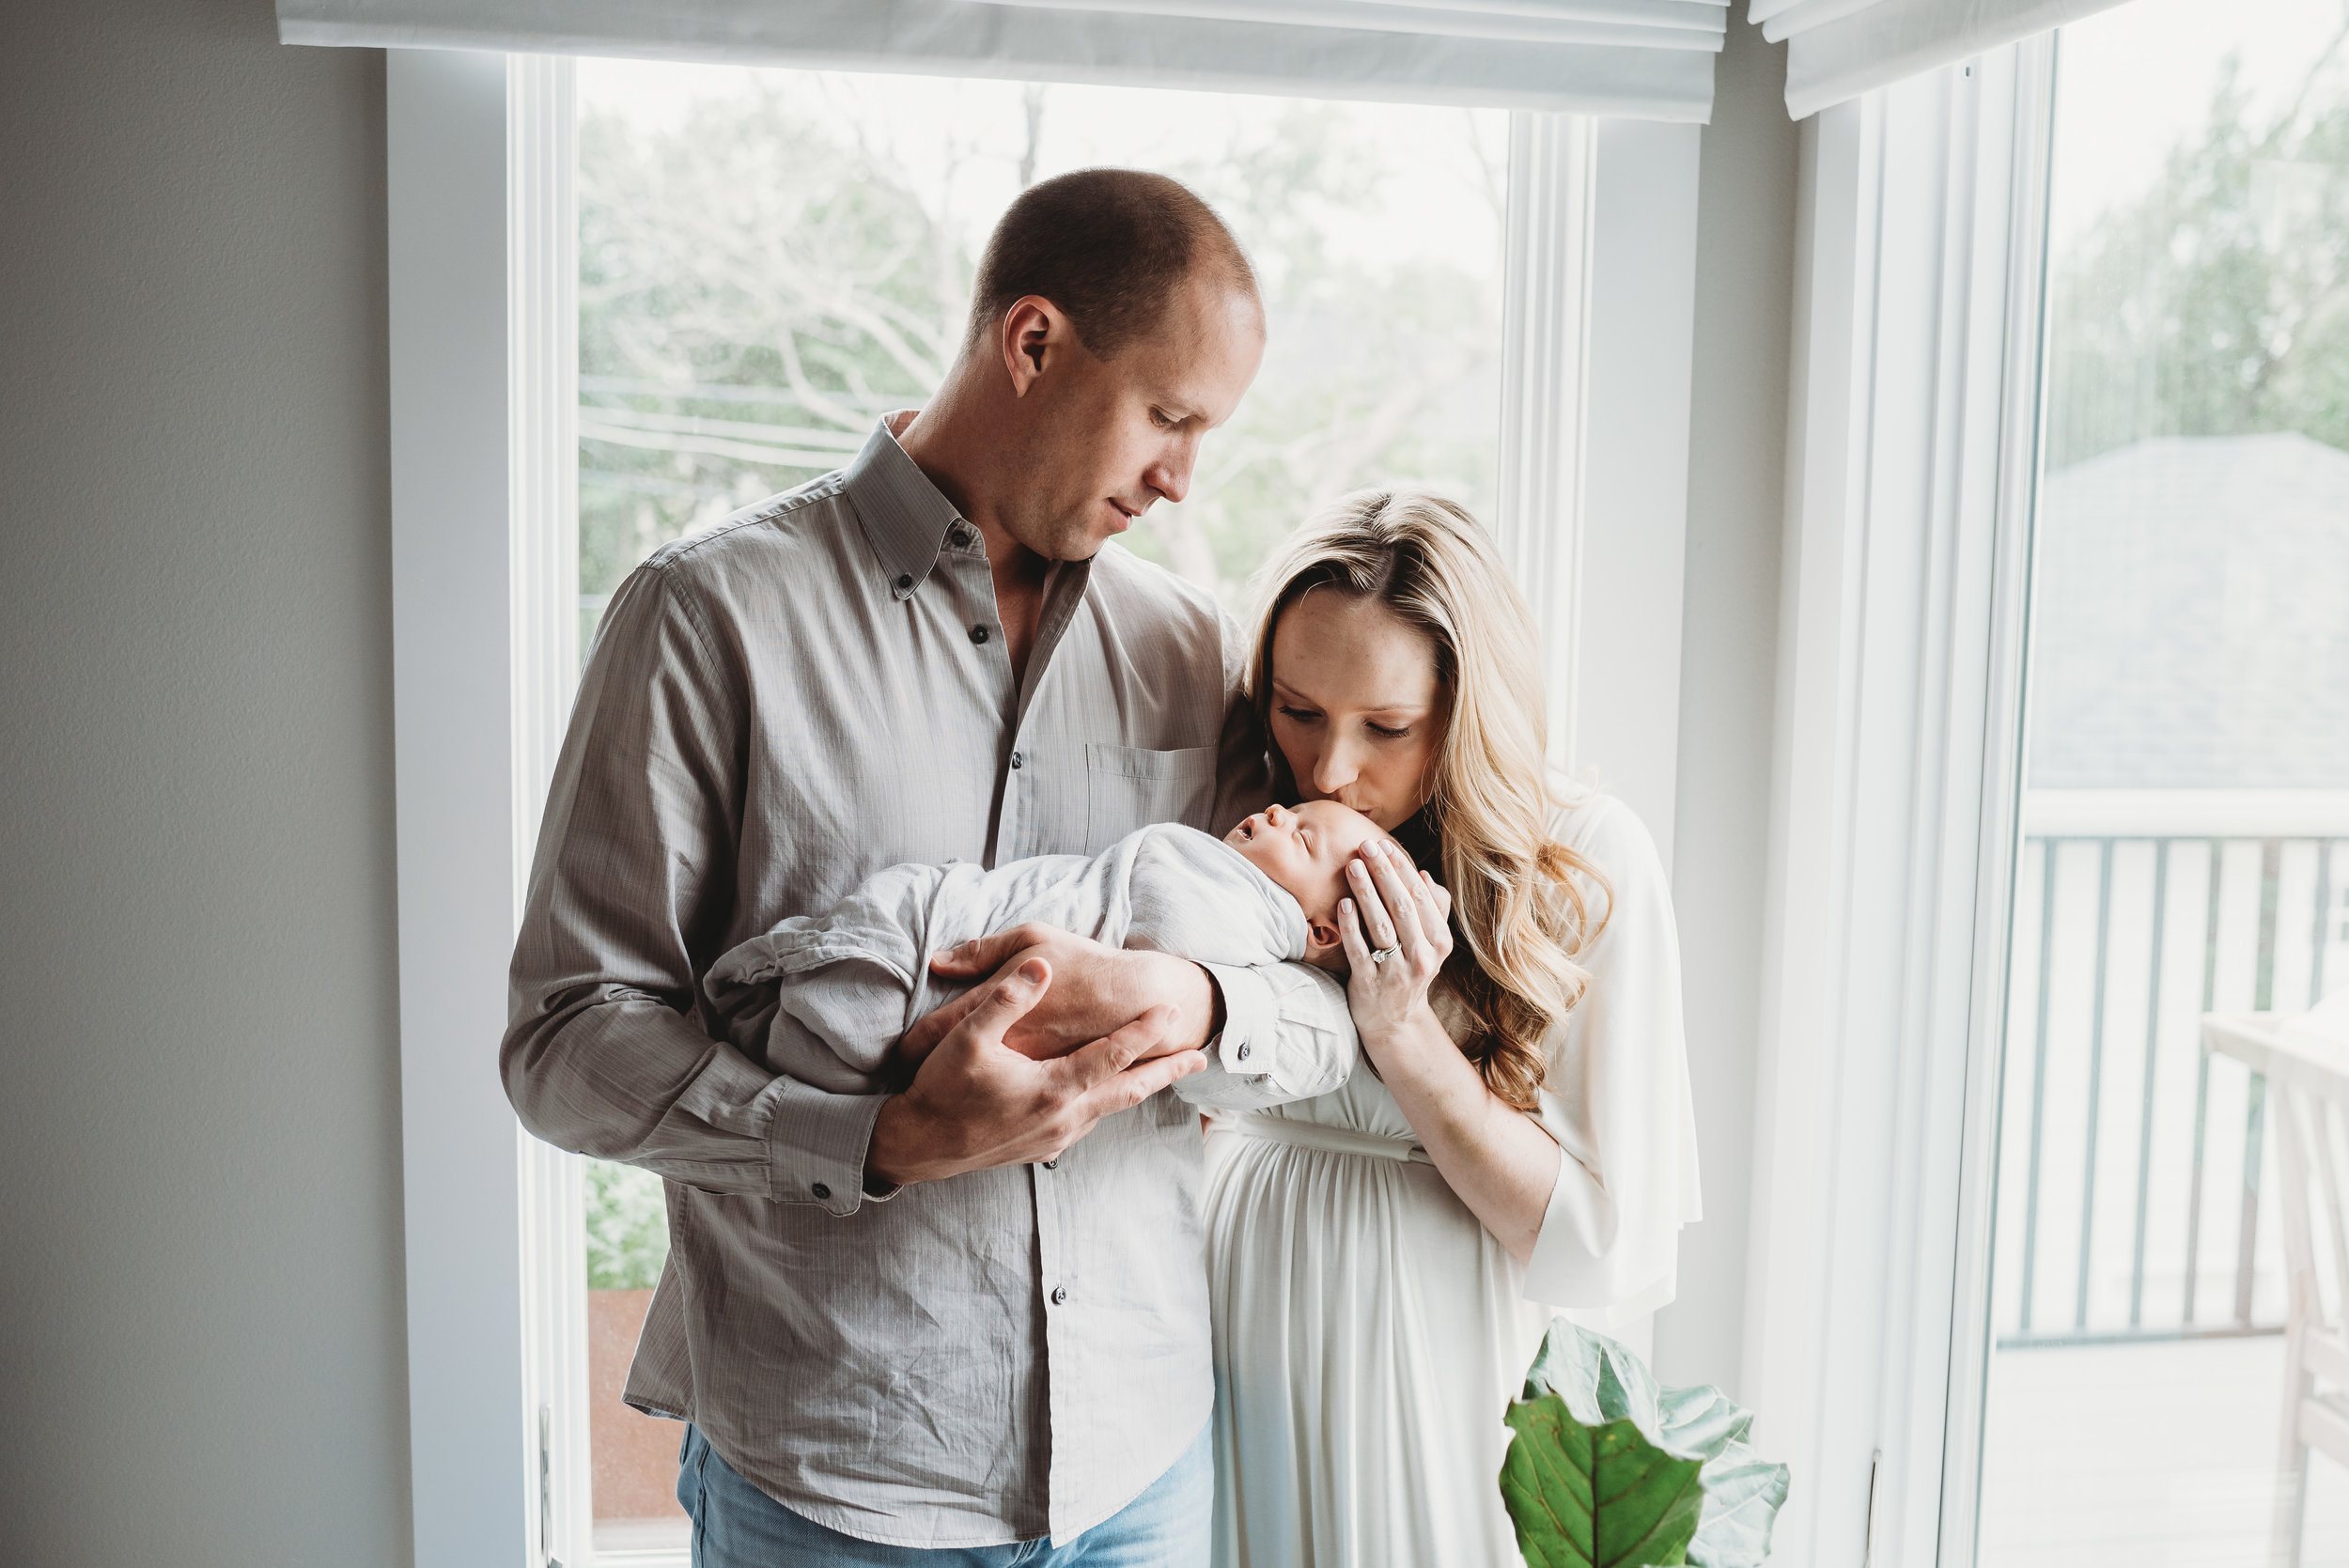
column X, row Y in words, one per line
column 1596, row 1496
column 1584, row 1386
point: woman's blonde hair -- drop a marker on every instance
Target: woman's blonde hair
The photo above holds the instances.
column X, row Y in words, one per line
column 1518, row 896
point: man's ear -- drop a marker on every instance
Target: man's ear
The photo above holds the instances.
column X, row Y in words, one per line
column 1032, row 329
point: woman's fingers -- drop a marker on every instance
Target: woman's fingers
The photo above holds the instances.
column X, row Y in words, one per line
column 1434, row 904
column 1351, row 936
column 1439, row 894
column 1400, row 891
column 1377, row 921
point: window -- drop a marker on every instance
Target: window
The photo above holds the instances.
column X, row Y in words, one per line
column 773, row 259
column 770, row 259
column 2066, row 345
column 1595, row 270
column 2186, row 799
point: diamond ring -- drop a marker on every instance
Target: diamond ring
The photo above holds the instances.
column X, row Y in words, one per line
column 1382, row 954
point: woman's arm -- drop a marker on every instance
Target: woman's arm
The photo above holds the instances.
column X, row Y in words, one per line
column 1497, row 1159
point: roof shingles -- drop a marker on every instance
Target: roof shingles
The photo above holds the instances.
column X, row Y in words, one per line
column 2192, row 618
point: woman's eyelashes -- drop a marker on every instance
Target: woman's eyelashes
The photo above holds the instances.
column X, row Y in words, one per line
column 1307, row 716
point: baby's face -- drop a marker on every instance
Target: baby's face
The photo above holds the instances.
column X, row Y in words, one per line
column 1304, row 849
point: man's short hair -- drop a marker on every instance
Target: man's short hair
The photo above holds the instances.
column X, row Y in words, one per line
column 1109, row 247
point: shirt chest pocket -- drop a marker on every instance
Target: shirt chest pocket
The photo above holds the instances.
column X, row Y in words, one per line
column 1129, row 788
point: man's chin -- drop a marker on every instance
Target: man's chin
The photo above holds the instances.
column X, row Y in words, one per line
column 1083, row 544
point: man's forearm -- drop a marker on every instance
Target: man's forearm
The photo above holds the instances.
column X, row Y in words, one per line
column 903, row 1150
column 1188, row 988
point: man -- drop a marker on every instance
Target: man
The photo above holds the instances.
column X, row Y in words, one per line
column 938, row 1324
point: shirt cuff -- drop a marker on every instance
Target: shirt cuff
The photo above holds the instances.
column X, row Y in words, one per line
column 817, row 1144
column 1287, row 1036
column 1251, row 1017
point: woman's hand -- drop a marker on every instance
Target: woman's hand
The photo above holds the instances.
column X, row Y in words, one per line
column 1405, row 914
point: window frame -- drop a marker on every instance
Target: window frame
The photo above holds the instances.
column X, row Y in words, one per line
column 1599, row 291
column 1913, row 455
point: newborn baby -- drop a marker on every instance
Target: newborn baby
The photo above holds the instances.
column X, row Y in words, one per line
column 827, row 996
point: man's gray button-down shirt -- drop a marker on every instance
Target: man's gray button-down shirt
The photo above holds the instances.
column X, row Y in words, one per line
column 775, row 711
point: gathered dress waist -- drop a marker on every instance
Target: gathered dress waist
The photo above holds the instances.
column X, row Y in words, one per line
column 1320, row 1135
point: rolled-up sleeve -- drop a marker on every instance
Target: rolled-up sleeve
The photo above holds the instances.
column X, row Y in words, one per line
column 1617, row 1101
column 630, row 887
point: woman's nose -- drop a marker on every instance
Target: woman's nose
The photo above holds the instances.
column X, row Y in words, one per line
column 1334, row 770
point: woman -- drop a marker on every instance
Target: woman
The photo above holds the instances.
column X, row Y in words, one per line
column 1517, row 1135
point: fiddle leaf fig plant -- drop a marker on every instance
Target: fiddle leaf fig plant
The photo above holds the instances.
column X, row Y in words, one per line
column 1608, row 1469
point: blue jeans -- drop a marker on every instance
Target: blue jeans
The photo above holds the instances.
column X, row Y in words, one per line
column 737, row 1526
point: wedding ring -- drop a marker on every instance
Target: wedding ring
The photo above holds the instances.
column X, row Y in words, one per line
column 1382, row 954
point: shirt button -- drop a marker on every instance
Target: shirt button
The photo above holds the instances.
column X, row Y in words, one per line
column 978, row 634
column 820, row 1191
column 1018, row 759
column 904, row 581
column 1059, row 1295
column 1051, row 1165
column 1242, row 1052
column 961, row 535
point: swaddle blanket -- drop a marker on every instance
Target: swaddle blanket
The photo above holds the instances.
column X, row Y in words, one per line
column 823, row 998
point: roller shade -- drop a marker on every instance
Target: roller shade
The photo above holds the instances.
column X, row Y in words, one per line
column 1839, row 49
column 1640, row 59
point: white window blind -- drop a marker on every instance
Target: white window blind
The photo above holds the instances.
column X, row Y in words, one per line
column 1635, row 59
column 1839, row 49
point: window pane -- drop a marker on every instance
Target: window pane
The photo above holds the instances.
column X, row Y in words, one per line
column 2190, row 666
column 771, row 259
column 632, row 1456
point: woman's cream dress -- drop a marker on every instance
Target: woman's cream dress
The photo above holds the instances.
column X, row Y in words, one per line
column 1369, row 1333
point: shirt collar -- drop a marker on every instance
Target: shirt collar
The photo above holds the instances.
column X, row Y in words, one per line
column 904, row 515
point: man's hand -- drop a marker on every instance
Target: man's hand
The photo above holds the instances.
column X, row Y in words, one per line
column 976, row 1103
column 1095, row 991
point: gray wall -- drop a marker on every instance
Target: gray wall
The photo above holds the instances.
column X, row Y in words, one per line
column 1729, row 658
column 201, row 1329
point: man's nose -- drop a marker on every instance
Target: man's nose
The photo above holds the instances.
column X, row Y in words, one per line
column 1170, row 474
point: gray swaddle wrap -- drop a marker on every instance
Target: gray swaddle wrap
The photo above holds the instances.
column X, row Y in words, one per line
column 841, row 988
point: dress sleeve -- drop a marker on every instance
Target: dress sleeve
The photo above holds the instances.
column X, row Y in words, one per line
column 1616, row 1098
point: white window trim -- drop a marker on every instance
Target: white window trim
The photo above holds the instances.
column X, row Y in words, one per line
column 1913, row 451
column 483, row 276
column 1600, row 290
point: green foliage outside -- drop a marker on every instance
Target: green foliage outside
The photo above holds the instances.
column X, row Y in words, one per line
column 2217, row 301
column 1609, row 1470
column 757, row 283
column 628, row 1227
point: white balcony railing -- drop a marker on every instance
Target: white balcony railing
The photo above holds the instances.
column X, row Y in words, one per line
column 2132, row 1166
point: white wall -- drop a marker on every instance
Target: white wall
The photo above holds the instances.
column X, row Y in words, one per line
column 1729, row 642
column 200, row 1286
